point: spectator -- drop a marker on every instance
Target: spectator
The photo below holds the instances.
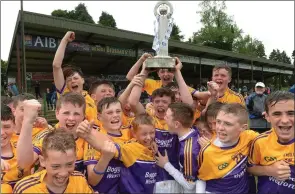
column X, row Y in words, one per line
column 53, row 99
column 292, row 89
column 48, row 99
column 255, row 105
column 37, row 90
column 53, row 88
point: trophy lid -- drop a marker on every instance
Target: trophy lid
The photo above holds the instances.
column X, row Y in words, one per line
column 163, row 8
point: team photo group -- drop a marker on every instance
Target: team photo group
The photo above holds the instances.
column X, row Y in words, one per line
column 181, row 141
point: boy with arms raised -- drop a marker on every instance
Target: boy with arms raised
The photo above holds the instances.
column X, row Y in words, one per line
column 104, row 171
column 137, row 155
column 70, row 109
column 58, row 159
column 272, row 153
column 226, row 155
column 18, row 111
column 70, row 79
column 179, row 118
column 166, row 76
column 161, row 99
column 10, row 171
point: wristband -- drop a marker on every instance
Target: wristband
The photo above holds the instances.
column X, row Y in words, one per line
column 97, row 172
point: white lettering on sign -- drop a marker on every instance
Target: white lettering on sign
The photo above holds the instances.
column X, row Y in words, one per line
column 38, row 41
column 46, row 42
column 52, row 43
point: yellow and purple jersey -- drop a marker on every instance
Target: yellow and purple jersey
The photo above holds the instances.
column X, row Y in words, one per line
column 111, row 179
column 80, row 145
column 15, row 173
column 15, row 136
column 224, row 168
column 150, row 85
column 166, row 141
column 189, row 149
column 36, row 184
column 265, row 150
column 6, row 188
column 231, row 97
column 139, row 169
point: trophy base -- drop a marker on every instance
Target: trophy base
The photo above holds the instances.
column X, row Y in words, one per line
column 160, row 63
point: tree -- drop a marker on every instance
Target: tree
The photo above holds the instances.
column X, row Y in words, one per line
column 3, row 75
column 277, row 55
column 107, row 20
column 273, row 55
column 3, row 67
column 219, row 30
column 80, row 14
column 248, row 45
column 175, row 34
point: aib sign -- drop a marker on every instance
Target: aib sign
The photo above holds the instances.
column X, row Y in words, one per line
column 41, row 42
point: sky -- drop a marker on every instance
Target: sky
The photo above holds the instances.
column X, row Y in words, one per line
column 271, row 22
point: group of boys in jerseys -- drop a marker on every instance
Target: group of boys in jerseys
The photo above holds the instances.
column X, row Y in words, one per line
column 104, row 144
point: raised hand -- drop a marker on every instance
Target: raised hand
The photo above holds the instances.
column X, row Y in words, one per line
column 31, row 110
column 84, row 129
column 108, row 151
column 145, row 56
column 213, row 88
column 178, row 65
column 41, row 123
column 69, row 36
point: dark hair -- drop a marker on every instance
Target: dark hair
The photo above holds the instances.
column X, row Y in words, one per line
column 183, row 113
column 160, row 92
column 213, row 109
column 58, row 140
column 6, row 113
column 236, row 109
column 223, row 66
column 172, row 85
column 276, row 97
column 72, row 98
column 7, row 100
column 21, row 98
column 69, row 70
column 95, row 85
column 106, row 102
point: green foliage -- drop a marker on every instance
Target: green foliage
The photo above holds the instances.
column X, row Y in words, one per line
column 219, row 30
column 107, row 20
column 80, row 14
column 277, row 55
column 175, row 34
column 3, row 67
column 249, row 46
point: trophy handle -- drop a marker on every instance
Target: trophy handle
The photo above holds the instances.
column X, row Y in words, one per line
column 164, row 2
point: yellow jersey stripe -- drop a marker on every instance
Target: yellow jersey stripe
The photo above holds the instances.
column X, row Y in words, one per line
column 190, row 157
column 201, row 154
column 251, row 152
column 22, row 185
column 185, row 159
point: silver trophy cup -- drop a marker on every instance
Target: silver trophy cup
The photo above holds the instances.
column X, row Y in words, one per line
column 163, row 12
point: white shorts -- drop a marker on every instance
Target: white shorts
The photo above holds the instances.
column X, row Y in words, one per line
column 170, row 186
